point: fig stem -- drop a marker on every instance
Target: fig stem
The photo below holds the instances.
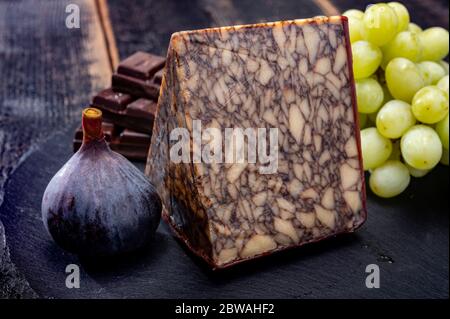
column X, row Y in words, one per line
column 91, row 120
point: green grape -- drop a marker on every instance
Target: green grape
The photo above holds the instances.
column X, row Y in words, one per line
column 355, row 13
column 417, row 172
column 362, row 120
column 432, row 72
column 421, row 147
column 435, row 44
column 369, row 95
column 394, row 119
column 379, row 24
column 443, row 84
column 430, row 104
column 375, row 148
column 442, row 130
column 396, row 153
column 444, row 158
column 366, row 59
column 406, row 45
column 444, row 64
column 402, row 15
column 403, row 79
column 390, row 179
column 354, row 29
column 414, row 28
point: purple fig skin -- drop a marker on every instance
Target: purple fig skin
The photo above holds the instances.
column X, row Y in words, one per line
column 99, row 204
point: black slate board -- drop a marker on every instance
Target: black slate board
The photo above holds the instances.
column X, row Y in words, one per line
column 406, row 236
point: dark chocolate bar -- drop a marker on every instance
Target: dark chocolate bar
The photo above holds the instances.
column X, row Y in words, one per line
column 141, row 65
column 136, row 75
column 135, row 86
column 138, row 115
column 142, row 108
column 112, row 100
column 134, row 138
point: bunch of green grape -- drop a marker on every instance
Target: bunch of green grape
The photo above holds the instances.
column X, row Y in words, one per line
column 402, row 88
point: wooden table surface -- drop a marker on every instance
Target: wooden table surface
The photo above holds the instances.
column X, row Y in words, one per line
column 50, row 72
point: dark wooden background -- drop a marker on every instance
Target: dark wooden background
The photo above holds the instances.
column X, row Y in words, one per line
column 49, row 73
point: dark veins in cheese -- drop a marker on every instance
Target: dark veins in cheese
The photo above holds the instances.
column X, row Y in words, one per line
column 292, row 75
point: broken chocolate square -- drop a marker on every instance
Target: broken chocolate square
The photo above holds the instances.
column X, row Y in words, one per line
column 141, row 65
column 112, row 100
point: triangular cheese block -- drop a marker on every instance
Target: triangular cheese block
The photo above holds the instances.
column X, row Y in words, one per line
column 291, row 76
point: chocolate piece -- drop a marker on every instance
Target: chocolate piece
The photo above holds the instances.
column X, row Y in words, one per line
column 135, row 86
column 138, row 115
column 110, row 130
column 135, row 75
column 294, row 76
column 131, row 137
column 141, row 65
column 112, row 100
column 142, row 108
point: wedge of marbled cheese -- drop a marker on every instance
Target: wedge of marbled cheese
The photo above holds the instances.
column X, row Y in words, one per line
column 292, row 75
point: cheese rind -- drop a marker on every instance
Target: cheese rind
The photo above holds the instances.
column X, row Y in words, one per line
column 294, row 76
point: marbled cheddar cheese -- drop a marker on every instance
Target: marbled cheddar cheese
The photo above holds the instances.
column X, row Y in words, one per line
column 293, row 76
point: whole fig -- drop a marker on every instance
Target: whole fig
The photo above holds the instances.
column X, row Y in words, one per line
column 98, row 203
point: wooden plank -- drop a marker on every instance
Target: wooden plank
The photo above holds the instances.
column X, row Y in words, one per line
column 49, row 72
column 327, row 7
column 110, row 41
column 226, row 12
column 148, row 25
